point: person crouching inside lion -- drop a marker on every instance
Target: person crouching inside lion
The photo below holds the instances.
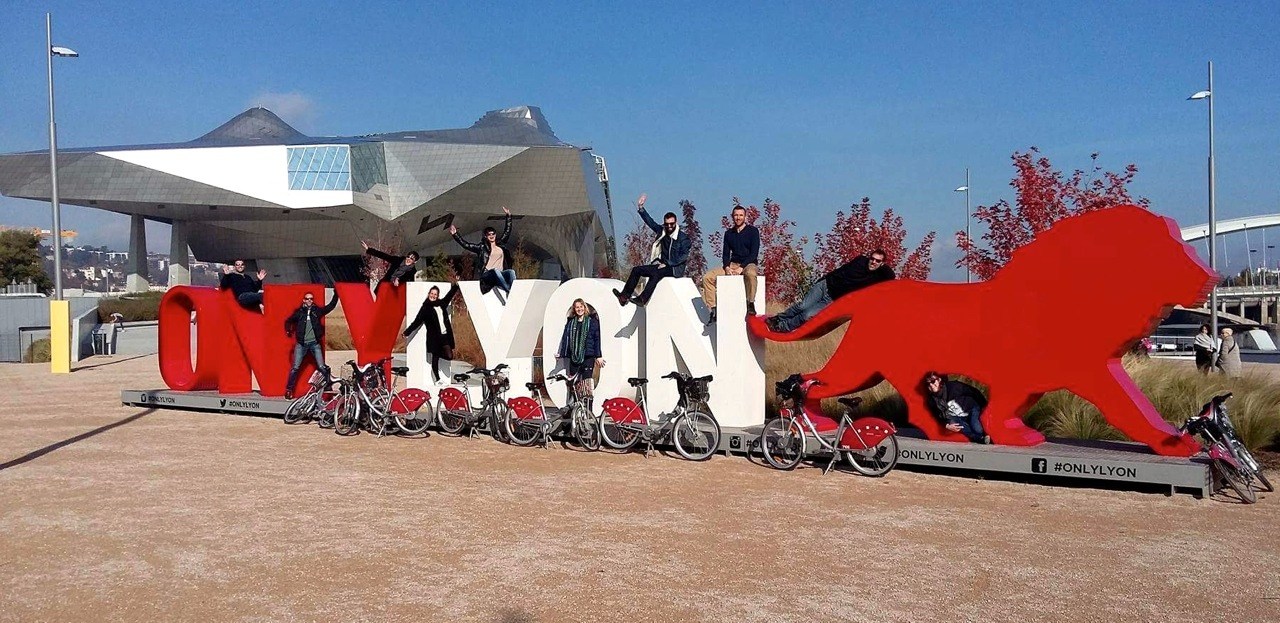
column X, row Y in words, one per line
column 957, row 405
column 580, row 346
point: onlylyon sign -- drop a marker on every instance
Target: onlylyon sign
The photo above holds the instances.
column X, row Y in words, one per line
column 234, row 346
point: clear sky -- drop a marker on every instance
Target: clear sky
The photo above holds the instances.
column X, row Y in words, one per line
column 813, row 104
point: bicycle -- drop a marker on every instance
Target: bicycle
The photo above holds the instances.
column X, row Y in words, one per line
column 695, row 433
column 320, row 403
column 868, row 444
column 454, row 405
column 528, row 423
column 379, row 407
column 1229, row 459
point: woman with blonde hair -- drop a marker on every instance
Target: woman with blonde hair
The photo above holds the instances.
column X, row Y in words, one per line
column 580, row 345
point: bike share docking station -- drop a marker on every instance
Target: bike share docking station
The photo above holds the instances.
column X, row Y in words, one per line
column 1053, row 462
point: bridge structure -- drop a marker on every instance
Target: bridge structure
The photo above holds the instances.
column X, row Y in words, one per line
column 1259, row 297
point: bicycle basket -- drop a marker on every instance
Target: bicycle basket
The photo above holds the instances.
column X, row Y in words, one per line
column 497, row 382
column 693, row 391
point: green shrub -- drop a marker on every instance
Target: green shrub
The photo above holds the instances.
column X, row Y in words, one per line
column 133, row 307
column 40, row 351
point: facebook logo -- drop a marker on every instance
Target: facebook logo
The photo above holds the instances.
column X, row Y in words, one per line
column 1039, row 466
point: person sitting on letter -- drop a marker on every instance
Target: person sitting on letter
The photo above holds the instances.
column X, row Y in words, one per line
column 493, row 258
column 667, row 257
column 740, row 257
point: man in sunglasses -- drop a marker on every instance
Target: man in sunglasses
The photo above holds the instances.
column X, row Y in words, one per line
column 304, row 325
column 957, row 405
column 667, row 257
column 400, row 268
column 863, row 271
column 247, row 288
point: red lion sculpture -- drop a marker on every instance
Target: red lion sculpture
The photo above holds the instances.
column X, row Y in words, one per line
column 1059, row 315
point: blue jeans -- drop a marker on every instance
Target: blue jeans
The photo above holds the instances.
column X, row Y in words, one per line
column 813, row 302
column 971, row 426
column 501, row 279
column 300, row 352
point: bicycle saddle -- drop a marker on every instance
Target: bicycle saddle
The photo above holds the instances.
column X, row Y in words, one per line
column 850, row 401
column 400, row 370
column 533, row 387
column 637, row 382
column 461, row 378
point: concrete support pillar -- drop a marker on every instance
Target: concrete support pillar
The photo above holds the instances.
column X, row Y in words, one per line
column 1241, row 314
column 136, row 278
column 179, row 256
column 1265, row 311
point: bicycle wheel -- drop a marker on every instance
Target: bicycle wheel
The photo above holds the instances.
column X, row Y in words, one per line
column 451, row 422
column 525, row 431
column 585, row 429
column 782, row 442
column 347, row 419
column 301, row 409
column 696, row 435
column 416, row 422
column 1236, row 480
column 377, row 414
column 498, row 414
column 875, row 461
column 1249, row 462
column 619, row 435
column 328, row 410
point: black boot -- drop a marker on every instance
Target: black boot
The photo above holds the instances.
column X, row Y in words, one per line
column 622, row 299
column 751, row 309
column 711, row 318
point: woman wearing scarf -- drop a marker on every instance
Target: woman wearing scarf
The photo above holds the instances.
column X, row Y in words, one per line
column 434, row 315
column 580, row 345
column 1204, row 346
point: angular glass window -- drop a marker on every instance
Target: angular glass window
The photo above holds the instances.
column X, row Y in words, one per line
column 322, row 167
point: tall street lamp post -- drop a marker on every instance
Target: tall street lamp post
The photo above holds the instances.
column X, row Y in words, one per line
column 968, row 274
column 59, row 309
column 1207, row 94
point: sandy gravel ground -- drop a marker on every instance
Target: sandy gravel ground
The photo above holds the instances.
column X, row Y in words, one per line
column 110, row 513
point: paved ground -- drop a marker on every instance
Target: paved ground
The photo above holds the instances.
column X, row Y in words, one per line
column 114, row 513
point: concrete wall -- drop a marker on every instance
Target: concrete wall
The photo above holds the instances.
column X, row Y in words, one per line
column 31, row 312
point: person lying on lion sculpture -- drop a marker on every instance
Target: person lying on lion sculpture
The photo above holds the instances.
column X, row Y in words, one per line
column 1013, row 333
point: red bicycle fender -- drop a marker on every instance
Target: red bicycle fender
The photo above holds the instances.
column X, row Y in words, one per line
column 525, row 408
column 411, row 399
column 622, row 410
column 453, row 399
column 872, row 430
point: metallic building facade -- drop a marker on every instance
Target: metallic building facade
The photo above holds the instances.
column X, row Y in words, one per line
column 258, row 189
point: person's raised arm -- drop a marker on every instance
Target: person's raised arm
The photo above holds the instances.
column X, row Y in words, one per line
column 448, row 298
column 462, row 242
column 386, row 257
column 648, row 220
column 224, row 281
column 333, row 304
column 506, row 229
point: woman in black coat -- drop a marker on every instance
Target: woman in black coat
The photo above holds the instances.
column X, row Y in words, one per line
column 580, row 343
column 434, row 316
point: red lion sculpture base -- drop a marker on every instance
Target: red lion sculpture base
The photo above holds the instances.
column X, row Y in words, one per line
column 1057, row 316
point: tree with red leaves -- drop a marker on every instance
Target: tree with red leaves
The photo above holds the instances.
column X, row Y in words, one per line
column 858, row 233
column 781, row 259
column 696, row 266
column 1043, row 197
column 637, row 245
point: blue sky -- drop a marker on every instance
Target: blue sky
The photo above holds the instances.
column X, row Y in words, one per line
column 813, row 104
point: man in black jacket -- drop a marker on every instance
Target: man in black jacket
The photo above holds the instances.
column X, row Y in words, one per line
column 863, row 271
column 304, row 325
column 667, row 257
column 401, row 269
column 741, row 256
column 957, row 405
column 493, row 257
column 247, row 288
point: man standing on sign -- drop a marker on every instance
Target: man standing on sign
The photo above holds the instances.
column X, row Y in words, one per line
column 667, row 257
column 740, row 257
column 863, row 271
column 304, row 325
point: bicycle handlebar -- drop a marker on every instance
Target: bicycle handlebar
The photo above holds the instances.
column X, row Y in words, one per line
column 677, row 376
column 486, row 371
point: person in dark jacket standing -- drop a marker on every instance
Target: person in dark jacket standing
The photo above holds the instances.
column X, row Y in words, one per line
column 401, row 268
column 493, row 257
column 305, row 326
column 667, row 257
column 863, row 271
column 434, row 317
column 957, row 405
column 580, row 347
column 247, row 288
column 741, row 256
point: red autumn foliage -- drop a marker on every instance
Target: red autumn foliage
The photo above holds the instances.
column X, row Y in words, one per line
column 637, row 245
column 1043, row 197
column 781, row 258
column 858, row 233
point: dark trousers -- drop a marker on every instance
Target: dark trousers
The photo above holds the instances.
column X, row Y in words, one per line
column 1204, row 360
column 445, row 353
column 971, row 425
column 300, row 352
column 250, row 300
column 652, row 273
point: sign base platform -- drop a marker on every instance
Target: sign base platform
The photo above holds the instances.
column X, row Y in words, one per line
column 1056, row 460
column 1053, row 462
